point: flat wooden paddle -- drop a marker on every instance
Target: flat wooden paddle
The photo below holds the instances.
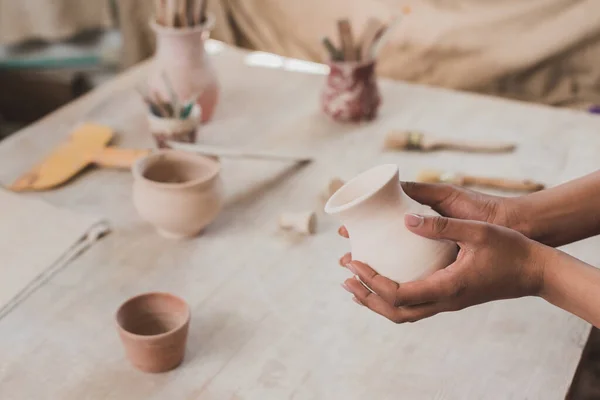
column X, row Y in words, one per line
column 88, row 145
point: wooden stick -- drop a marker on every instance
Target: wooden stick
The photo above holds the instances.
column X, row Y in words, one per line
column 174, row 100
column 373, row 30
column 334, row 53
column 169, row 13
column 159, row 14
column 182, row 12
column 236, row 153
column 346, row 40
column 203, row 8
column 525, row 185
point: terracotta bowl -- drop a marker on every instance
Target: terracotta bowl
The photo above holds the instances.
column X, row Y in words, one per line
column 153, row 328
column 179, row 193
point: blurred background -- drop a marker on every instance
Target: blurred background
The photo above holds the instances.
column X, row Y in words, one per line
column 540, row 51
column 544, row 51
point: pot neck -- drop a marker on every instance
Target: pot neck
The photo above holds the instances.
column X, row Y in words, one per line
column 181, row 49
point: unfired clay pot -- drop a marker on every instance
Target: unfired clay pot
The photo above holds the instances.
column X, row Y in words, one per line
column 176, row 129
column 179, row 193
column 351, row 93
column 372, row 208
column 180, row 54
column 154, row 328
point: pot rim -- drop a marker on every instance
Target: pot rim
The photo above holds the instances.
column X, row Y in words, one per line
column 141, row 166
column 186, row 319
column 382, row 174
column 208, row 25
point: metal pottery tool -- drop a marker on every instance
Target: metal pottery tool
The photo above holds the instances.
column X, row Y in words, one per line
column 88, row 145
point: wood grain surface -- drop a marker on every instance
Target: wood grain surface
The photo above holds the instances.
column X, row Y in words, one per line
column 269, row 320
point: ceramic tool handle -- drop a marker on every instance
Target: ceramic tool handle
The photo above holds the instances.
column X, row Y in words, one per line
column 501, row 183
column 113, row 157
column 236, row 153
column 472, row 146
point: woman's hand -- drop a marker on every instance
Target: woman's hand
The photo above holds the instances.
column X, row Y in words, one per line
column 457, row 202
column 493, row 263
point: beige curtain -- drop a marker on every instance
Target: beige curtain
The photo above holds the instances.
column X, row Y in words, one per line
column 535, row 50
column 22, row 20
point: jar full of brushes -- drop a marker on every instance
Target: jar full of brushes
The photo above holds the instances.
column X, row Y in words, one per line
column 351, row 93
column 181, row 66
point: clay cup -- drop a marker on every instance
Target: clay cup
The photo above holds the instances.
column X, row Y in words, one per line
column 179, row 193
column 153, row 328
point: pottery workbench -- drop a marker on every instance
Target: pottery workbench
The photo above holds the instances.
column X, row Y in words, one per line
column 269, row 319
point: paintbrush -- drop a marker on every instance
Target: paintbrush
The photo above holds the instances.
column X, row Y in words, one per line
column 334, row 53
column 411, row 140
column 378, row 44
column 159, row 8
column 202, row 13
column 174, row 100
column 346, row 40
column 373, row 30
column 433, row 176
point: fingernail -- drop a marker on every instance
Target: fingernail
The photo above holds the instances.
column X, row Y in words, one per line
column 352, row 268
column 354, row 299
column 413, row 220
column 346, row 288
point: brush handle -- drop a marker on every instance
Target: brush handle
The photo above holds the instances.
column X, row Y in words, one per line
column 467, row 145
column 501, row 183
column 114, row 157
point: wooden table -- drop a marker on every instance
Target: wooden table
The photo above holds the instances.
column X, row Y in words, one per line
column 270, row 320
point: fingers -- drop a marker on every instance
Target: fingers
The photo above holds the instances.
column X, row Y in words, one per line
column 381, row 285
column 343, row 232
column 457, row 230
column 443, row 285
column 398, row 315
column 346, row 258
column 431, row 194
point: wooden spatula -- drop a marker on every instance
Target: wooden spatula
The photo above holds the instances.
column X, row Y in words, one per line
column 87, row 145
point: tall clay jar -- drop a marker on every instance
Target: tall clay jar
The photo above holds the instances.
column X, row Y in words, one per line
column 180, row 54
column 351, row 93
column 372, row 208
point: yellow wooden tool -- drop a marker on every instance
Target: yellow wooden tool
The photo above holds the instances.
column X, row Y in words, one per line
column 87, row 145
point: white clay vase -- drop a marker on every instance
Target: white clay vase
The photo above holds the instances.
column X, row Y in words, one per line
column 372, row 207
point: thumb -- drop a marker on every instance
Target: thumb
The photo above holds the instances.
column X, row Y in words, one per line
column 431, row 194
column 434, row 227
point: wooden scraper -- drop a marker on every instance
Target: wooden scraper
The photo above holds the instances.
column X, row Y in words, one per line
column 87, row 145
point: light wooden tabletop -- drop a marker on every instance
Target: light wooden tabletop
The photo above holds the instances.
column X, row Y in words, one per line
column 270, row 320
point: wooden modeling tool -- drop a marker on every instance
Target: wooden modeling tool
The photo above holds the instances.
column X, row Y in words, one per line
column 334, row 53
column 346, row 40
column 88, row 145
column 300, row 222
column 236, row 153
column 372, row 31
column 433, row 176
column 382, row 39
column 411, row 140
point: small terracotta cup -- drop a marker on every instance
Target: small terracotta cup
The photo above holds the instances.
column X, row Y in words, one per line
column 179, row 193
column 154, row 328
column 351, row 93
column 175, row 129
